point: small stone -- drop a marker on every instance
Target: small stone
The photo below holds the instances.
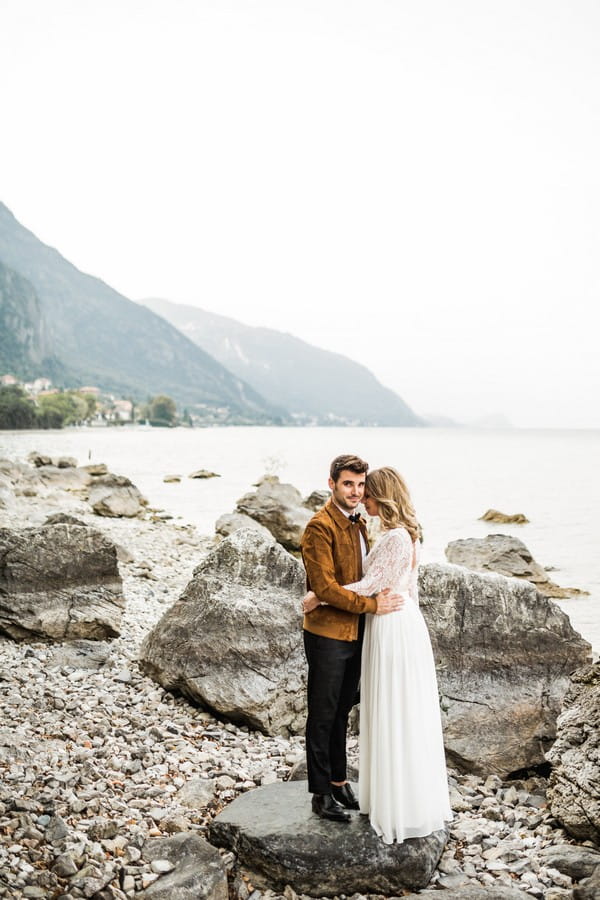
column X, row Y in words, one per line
column 161, row 866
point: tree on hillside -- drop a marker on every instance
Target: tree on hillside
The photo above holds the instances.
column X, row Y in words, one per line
column 16, row 408
column 160, row 410
column 56, row 410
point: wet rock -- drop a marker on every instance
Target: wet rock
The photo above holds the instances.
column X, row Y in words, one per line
column 493, row 515
column 198, row 873
column 575, row 757
column 504, row 655
column 59, row 582
column 507, row 556
column 171, row 479
column 279, row 507
column 279, row 842
column 115, row 496
column 203, row 473
column 232, row 641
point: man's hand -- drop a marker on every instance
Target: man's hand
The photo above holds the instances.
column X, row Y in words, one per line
column 388, row 603
column 310, row 602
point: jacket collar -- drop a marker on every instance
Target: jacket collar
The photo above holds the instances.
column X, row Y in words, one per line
column 338, row 516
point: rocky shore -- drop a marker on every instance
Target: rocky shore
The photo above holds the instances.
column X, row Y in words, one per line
column 110, row 784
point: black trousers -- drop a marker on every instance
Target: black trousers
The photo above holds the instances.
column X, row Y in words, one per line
column 333, row 677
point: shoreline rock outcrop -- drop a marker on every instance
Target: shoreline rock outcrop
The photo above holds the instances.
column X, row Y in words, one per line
column 280, row 508
column 504, row 655
column 508, row 556
column 232, row 642
column 574, row 790
column 279, row 842
column 59, row 582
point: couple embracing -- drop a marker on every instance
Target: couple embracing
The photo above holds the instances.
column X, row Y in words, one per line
column 362, row 623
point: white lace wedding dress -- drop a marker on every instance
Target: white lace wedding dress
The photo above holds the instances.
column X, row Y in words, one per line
column 402, row 783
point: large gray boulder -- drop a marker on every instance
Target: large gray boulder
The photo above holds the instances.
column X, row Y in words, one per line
column 114, row 496
column 574, row 791
column 198, row 872
column 505, row 555
column 59, row 582
column 279, row 841
column 230, row 522
column 232, row 642
column 504, row 655
column 64, row 478
column 279, row 507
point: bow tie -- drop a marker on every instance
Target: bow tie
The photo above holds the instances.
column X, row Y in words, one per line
column 355, row 517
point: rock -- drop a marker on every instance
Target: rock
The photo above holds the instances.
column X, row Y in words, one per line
column 280, row 842
column 504, row 655
column 171, row 479
column 82, row 654
column 316, row 500
column 232, row 641
column 62, row 518
column 203, row 473
column 298, row 771
column 115, row 495
column 492, row 515
column 230, row 522
column 198, row 874
column 65, row 478
column 197, row 793
column 279, row 508
column 507, row 556
column 588, row 889
column 575, row 757
column 96, row 469
column 59, row 582
column 65, row 462
column 470, row 892
column 39, row 459
column 576, row 862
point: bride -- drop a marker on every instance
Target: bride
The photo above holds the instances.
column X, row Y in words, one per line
column 403, row 785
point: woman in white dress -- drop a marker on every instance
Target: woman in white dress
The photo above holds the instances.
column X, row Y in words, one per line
column 403, row 785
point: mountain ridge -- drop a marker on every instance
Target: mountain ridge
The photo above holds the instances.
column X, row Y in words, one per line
column 102, row 337
column 312, row 383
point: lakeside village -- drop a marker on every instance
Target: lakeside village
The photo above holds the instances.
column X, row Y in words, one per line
column 39, row 404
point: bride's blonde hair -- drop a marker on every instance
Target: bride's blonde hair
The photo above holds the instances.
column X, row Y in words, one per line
column 388, row 489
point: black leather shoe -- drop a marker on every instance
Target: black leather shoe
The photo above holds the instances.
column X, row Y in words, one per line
column 345, row 795
column 324, row 806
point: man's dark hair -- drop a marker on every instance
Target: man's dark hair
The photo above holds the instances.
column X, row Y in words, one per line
column 347, row 461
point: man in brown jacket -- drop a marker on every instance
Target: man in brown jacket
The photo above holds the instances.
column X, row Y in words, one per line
column 334, row 546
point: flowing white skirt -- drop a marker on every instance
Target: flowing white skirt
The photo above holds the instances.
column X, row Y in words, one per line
column 403, row 785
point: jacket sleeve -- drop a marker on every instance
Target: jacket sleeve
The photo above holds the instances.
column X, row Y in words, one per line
column 317, row 553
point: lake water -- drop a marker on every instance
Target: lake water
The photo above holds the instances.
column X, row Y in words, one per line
column 454, row 476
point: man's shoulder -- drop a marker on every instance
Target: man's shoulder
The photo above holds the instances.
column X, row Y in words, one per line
column 322, row 520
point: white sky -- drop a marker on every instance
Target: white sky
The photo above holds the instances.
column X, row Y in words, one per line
column 413, row 184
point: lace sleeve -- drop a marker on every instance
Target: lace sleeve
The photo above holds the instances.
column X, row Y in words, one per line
column 389, row 559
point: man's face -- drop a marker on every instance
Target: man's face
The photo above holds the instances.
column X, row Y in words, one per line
column 348, row 489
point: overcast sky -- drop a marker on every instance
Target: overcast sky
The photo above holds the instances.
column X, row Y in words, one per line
column 413, row 184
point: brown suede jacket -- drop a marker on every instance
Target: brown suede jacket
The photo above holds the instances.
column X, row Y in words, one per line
column 332, row 557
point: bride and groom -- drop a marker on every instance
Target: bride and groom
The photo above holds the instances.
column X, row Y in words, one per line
column 362, row 623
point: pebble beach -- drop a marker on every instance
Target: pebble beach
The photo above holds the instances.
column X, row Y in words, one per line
column 96, row 758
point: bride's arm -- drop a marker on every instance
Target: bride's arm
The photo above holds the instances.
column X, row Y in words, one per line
column 387, row 562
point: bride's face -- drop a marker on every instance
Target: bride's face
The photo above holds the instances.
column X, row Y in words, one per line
column 370, row 505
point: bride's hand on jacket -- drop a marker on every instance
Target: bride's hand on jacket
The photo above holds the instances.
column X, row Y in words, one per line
column 310, row 602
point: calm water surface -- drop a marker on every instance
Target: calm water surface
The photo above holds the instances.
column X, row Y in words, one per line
column 454, row 476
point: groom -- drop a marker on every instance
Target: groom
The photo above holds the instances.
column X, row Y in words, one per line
column 334, row 546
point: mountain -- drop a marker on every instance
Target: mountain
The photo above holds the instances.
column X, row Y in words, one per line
column 313, row 384
column 102, row 338
column 23, row 340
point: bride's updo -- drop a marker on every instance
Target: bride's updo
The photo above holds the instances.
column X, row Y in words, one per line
column 387, row 488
